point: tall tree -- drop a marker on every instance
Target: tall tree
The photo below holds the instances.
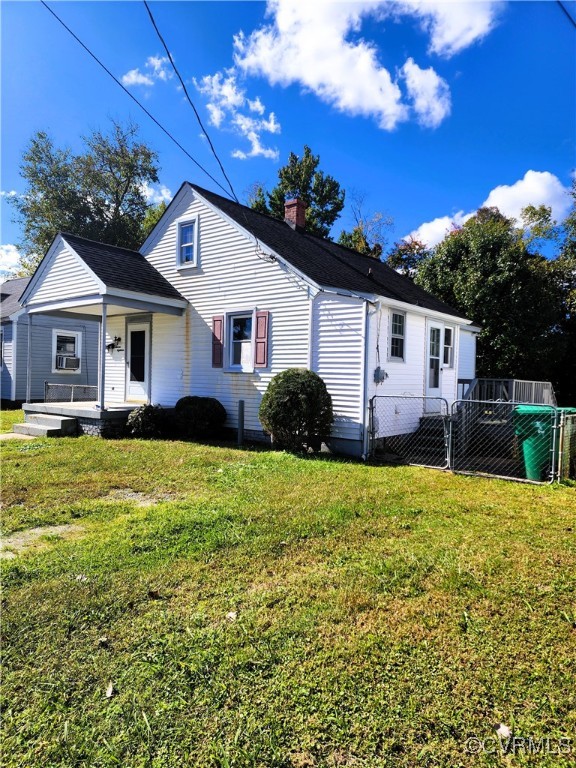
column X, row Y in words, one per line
column 98, row 194
column 369, row 233
column 300, row 177
column 487, row 270
column 407, row 255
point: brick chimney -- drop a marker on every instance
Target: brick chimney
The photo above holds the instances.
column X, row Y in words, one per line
column 295, row 213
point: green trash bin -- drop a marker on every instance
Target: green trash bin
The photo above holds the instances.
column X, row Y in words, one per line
column 534, row 426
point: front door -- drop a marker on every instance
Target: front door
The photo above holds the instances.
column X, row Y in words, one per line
column 138, row 363
column 434, row 367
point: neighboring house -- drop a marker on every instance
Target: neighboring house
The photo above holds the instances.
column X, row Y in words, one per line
column 64, row 349
column 221, row 298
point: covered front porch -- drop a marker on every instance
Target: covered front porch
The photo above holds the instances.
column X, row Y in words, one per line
column 141, row 317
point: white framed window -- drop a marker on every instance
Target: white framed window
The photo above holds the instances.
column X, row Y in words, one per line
column 240, row 346
column 66, row 351
column 448, row 355
column 187, row 255
column 397, row 335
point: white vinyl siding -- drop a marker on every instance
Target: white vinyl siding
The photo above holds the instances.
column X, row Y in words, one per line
column 64, row 275
column 231, row 278
column 338, row 358
column 466, row 364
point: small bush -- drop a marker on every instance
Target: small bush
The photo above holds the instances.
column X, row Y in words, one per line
column 199, row 416
column 147, row 422
column 297, row 410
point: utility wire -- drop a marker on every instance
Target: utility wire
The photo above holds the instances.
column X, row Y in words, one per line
column 566, row 12
column 182, row 83
column 142, row 107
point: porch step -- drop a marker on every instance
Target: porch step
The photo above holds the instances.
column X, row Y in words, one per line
column 66, row 424
column 38, row 430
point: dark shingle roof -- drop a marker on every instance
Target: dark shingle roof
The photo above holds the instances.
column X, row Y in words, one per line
column 10, row 293
column 122, row 268
column 326, row 263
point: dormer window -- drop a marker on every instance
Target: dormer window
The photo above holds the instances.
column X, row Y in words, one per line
column 187, row 255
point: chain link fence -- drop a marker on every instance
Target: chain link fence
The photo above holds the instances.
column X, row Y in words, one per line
column 410, row 430
column 506, row 440
column 69, row 393
column 517, row 441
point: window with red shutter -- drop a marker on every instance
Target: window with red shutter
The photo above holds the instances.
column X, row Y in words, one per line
column 261, row 339
column 218, row 341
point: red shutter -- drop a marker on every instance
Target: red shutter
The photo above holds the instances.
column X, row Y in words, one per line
column 261, row 340
column 218, row 341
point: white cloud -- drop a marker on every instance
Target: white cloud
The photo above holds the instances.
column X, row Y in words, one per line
column 156, row 68
column 452, row 24
column 315, row 43
column 9, row 258
column 156, row 194
column 535, row 188
column 11, row 193
column 307, row 44
column 433, row 232
column 135, row 77
column 429, row 93
column 228, row 107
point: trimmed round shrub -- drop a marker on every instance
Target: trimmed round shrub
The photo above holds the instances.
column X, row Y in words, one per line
column 297, row 410
column 147, row 422
column 199, row 416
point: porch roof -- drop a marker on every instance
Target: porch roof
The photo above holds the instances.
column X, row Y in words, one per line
column 98, row 274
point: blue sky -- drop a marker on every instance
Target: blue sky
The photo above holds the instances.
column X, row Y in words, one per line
column 425, row 109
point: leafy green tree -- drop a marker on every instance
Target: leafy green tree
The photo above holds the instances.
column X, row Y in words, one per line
column 152, row 217
column 406, row 256
column 98, row 194
column 368, row 235
column 486, row 270
column 300, row 177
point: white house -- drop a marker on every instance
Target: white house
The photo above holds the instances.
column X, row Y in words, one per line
column 64, row 349
column 221, row 298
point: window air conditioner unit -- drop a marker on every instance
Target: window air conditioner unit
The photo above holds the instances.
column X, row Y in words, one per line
column 64, row 363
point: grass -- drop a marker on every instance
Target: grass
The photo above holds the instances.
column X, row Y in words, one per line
column 253, row 608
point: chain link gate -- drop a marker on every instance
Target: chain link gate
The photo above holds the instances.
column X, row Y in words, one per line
column 509, row 440
column 407, row 429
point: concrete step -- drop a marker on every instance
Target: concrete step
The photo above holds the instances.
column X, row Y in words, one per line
column 66, row 424
column 38, row 430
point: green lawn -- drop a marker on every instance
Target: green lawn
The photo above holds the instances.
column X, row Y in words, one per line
column 253, row 608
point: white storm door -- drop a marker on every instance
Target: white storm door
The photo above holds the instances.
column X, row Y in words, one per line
column 138, row 362
column 434, row 365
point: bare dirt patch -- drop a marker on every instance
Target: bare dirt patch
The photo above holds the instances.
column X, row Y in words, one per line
column 33, row 539
column 140, row 499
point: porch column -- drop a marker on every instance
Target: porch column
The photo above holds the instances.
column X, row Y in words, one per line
column 29, row 362
column 102, row 361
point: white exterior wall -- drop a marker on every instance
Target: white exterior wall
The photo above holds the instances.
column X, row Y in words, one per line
column 63, row 275
column 338, row 358
column 230, row 277
column 467, row 357
column 115, row 361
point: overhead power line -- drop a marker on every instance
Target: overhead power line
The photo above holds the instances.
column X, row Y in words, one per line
column 561, row 4
column 183, row 84
column 142, row 107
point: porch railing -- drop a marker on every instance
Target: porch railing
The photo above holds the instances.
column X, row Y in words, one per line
column 69, row 393
column 507, row 391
